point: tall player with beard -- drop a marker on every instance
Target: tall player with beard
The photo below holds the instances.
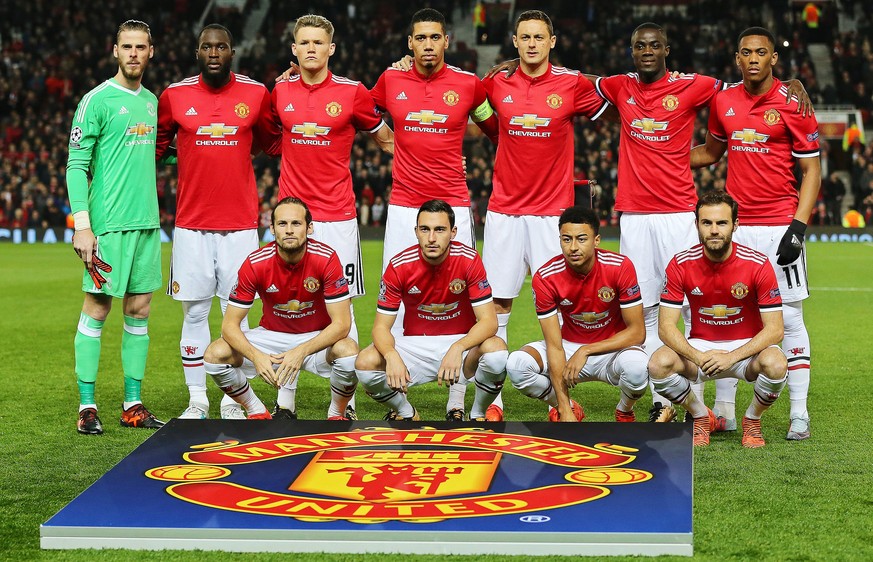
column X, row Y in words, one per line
column 116, row 222
column 219, row 119
column 763, row 141
column 533, row 168
column 305, row 322
column 320, row 114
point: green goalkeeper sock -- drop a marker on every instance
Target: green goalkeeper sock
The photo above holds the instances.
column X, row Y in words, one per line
column 87, row 350
column 134, row 351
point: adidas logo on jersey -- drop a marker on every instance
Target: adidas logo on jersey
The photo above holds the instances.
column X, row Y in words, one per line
column 414, row 290
column 401, row 96
column 191, row 111
column 565, row 302
column 289, row 107
column 507, row 99
column 631, row 101
column 272, row 289
column 730, row 112
column 697, row 292
column 123, row 111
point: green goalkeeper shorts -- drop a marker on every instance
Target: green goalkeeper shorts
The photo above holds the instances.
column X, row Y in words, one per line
column 135, row 258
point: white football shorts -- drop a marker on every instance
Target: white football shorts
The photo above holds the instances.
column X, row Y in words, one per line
column 205, row 263
column 516, row 245
column 793, row 282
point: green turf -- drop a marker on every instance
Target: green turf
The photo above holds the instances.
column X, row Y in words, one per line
column 811, row 500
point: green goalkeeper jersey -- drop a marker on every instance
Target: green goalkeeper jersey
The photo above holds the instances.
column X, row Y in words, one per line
column 113, row 138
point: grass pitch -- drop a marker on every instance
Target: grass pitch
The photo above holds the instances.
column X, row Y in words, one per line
column 788, row 501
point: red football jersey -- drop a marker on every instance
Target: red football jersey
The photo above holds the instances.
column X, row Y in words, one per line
column 726, row 298
column 430, row 118
column 439, row 300
column 657, row 123
column 536, row 133
column 590, row 305
column 764, row 137
column 216, row 133
column 294, row 296
column 319, row 123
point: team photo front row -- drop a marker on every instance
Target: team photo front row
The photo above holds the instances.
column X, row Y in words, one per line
column 587, row 301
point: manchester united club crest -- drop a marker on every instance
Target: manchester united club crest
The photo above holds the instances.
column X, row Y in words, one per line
column 311, row 284
column 772, row 117
column 451, row 98
column 176, row 287
column 457, row 286
column 670, row 103
column 333, row 109
column 739, row 290
column 606, row 294
column 242, row 110
column 555, row 101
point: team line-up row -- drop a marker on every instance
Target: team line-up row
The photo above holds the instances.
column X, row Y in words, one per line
column 217, row 118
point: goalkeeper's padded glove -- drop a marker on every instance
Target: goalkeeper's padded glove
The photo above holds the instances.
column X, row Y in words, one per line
column 98, row 265
column 791, row 243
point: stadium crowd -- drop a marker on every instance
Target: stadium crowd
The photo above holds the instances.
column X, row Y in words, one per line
column 54, row 52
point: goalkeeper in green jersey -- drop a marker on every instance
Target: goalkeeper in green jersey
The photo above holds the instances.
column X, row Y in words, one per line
column 117, row 236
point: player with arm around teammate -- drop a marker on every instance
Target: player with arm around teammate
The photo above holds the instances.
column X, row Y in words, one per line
column 116, row 218
column 598, row 297
column 449, row 327
column 305, row 322
column 736, row 322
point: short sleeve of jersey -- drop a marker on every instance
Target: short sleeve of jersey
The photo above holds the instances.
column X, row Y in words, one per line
column 804, row 135
column 166, row 125
column 587, row 102
column 608, row 86
column 378, row 92
column 628, row 286
column 389, row 292
column 243, row 293
column 715, row 126
column 366, row 116
column 477, row 283
column 769, row 298
column 545, row 297
column 336, row 286
column 673, row 294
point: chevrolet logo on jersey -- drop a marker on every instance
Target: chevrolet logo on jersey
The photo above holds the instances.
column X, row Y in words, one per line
column 530, row 121
column 749, row 136
column 293, row 306
column 140, row 129
column 310, row 130
column 217, row 130
column 438, row 309
column 589, row 317
column 720, row 311
column 426, row 117
column 649, row 125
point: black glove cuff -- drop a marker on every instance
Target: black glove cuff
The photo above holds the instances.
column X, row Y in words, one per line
column 797, row 226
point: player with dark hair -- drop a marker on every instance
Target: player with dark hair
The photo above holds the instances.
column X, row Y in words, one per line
column 305, row 322
column 736, row 322
column 218, row 119
column 598, row 298
column 764, row 140
column 449, row 326
column 116, row 220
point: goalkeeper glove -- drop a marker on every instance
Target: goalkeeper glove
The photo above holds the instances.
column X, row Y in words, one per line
column 791, row 243
column 98, row 265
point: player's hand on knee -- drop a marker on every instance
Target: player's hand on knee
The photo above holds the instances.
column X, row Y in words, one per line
column 450, row 367
column 404, row 64
column 716, row 361
column 398, row 379
column 264, row 369
column 290, row 363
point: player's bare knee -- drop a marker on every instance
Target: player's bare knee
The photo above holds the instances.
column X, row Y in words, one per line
column 369, row 359
column 663, row 363
column 137, row 305
column 346, row 347
column 503, row 306
column 772, row 363
column 492, row 344
column 97, row 306
column 218, row 351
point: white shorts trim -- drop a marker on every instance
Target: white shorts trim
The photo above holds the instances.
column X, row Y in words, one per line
column 515, row 246
column 400, row 230
column 271, row 342
column 205, row 263
column 598, row 367
column 345, row 239
column 792, row 278
column 651, row 241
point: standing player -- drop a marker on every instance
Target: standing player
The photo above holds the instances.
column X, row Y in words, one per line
column 116, row 222
column 736, row 322
column 535, row 109
column 763, row 141
column 320, row 114
column 598, row 297
column 449, row 327
column 305, row 322
column 218, row 119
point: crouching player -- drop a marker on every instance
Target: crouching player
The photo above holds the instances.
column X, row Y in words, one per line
column 305, row 322
column 449, row 327
column 598, row 297
column 736, row 322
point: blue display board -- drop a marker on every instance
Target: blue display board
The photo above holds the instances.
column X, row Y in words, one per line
column 407, row 487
